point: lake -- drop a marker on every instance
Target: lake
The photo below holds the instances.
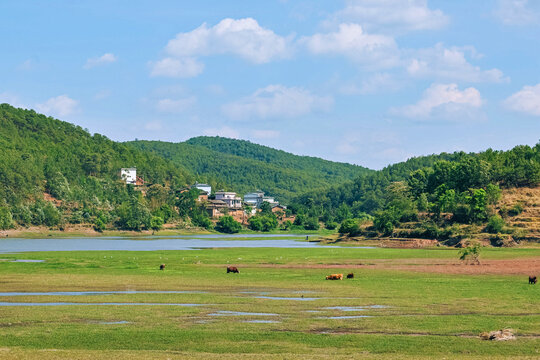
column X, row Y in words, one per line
column 156, row 243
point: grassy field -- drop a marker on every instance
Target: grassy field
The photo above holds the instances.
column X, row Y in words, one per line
column 410, row 312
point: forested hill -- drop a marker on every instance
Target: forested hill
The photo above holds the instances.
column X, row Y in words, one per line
column 315, row 166
column 243, row 166
column 41, row 154
column 443, row 190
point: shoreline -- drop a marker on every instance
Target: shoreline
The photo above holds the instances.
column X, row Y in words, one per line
column 81, row 231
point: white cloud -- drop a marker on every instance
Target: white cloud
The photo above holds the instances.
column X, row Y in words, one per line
column 243, row 37
column 527, row 100
column 351, row 41
column 450, row 64
column 223, row 131
column 59, row 106
column 444, row 100
column 177, row 68
column 275, row 101
column 396, row 16
column 265, row 134
column 518, row 12
column 175, row 106
column 101, row 60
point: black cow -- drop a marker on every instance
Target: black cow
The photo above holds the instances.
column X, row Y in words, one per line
column 350, row 276
column 532, row 280
column 232, row 269
column 162, row 267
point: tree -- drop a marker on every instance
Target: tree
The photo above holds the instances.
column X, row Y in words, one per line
column 157, row 196
column 133, row 215
column 51, row 215
column 478, row 203
column 227, row 224
column 156, row 223
column 6, row 219
column 470, row 254
column 349, row 226
column 266, row 208
column 312, row 224
column 493, row 194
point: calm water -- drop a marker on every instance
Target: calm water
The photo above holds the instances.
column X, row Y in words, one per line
column 157, row 243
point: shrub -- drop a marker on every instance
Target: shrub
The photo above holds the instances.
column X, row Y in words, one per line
column 495, row 224
column 331, row 225
column 515, row 210
column 311, row 224
column 52, row 216
column 227, row 224
column 156, row 223
column 349, row 226
column 471, row 253
column 286, row 225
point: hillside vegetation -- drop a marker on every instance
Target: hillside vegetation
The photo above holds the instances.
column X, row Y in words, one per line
column 44, row 158
column 243, row 167
column 447, row 197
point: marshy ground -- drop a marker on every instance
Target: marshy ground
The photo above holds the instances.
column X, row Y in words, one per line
column 402, row 303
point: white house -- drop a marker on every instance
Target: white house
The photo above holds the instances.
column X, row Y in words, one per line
column 254, row 199
column 204, row 187
column 230, row 198
column 129, row 175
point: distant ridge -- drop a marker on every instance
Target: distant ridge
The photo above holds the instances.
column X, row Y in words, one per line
column 243, row 166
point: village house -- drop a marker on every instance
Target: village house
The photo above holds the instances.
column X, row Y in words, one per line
column 203, row 187
column 129, row 175
column 230, row 198
column 255, row 199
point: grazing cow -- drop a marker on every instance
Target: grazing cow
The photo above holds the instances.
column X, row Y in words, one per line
column 162, row 267
column 335, row 277
column 532, row 280
column 350, row 276
column 232, row 269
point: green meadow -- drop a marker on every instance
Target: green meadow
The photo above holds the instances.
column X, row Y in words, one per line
column 278, row 307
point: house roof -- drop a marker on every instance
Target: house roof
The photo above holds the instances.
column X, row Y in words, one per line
column 216, row 204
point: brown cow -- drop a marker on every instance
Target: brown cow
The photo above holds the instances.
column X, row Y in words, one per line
column 350, row 276
column 532, row 280
column 232, row 269
column 335, row 277
column 162, row 267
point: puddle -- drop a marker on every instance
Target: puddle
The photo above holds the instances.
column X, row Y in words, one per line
column 347, row 308
column 240, row 313
column 313, row 311
column 23, row 261
column 88, row 293
column 261, row 321
column 356, row 308
column 287, row 298
column 90, row 304
column 345, row 317
column 110, row 322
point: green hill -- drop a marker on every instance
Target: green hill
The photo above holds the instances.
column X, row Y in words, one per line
column 242, row 166
column 42, row 156
column 445, row 197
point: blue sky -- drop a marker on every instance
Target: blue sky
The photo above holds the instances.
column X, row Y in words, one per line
column 370, row 82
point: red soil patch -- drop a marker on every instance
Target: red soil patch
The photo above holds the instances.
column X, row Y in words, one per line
column 523, row 266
